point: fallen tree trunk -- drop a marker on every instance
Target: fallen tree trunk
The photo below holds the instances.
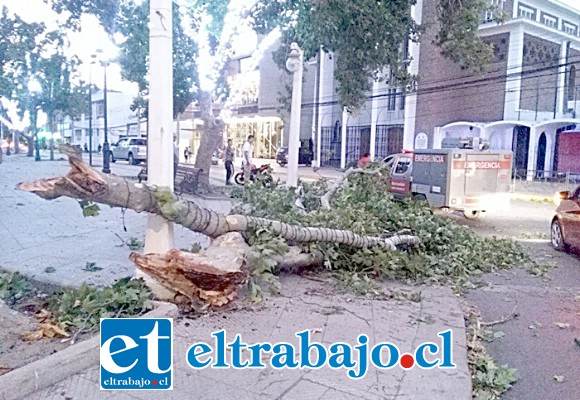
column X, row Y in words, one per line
column 84, row 183
column 212, row 276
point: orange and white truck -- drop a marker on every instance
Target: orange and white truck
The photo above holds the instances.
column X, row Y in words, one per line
column 468, row 180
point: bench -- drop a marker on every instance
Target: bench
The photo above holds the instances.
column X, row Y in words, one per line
column 186, row 178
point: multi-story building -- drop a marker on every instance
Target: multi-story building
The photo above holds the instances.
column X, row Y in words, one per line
column 522, row 102
column 121, row 121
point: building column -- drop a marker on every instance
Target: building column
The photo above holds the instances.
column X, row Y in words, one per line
column 411, row 97
column 532, row 153
column 550, row 151
column 321, row 95
column 513, row 85
column 343, row 139
column 374, row 114
column 562, row 100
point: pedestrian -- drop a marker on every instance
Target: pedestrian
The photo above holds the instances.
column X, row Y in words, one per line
column 175, row 159
column 247, row 153
column 99, row 148
column 229, row 162
column 86, row 148
column 364, row 161
column 186, row 154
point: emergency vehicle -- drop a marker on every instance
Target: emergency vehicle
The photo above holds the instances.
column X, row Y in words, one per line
column 464, row 179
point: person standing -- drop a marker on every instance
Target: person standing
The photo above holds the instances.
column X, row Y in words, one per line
column 186, row 154
column 229, row 162
column 247, row 154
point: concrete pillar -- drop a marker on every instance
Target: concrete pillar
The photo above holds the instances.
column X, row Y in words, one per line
column 437, row 137
column 411, row 97
column 321, row 95
column 159, row 237
column 295, row 65
column 513, row 85
column 561, row 98
column 532, row 153
column 343, row 139
column 374, row 115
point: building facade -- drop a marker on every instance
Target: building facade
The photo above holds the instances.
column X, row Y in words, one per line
column 121, row 121
column 522, row 102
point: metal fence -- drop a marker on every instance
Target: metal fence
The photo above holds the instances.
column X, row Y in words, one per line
column 545, row 182
column 330, row 145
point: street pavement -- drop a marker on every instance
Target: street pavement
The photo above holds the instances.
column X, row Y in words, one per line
column 36, row 234
column 533, row 343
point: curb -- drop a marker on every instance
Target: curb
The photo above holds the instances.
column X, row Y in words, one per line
column 48, row 371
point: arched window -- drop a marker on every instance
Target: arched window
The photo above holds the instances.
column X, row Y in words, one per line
column 572, row 83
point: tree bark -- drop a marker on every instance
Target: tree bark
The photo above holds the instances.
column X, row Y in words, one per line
column 85, row 183
column 210, row 139
column 29, row 142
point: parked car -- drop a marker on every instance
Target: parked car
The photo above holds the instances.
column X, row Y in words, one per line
column 565, row 232
column 134, row 150
column 215, row 159
column 304, row 156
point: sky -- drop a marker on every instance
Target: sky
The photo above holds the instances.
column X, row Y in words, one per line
column 94, row 37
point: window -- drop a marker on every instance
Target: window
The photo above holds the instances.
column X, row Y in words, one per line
column 550, row 21
column 402, row 103
column 403, row 165
column 100, row 106
column 570, row 29
column 496, row 5
column 526, row 12
column 138, row 142
column 392, row 99
column 572, row 83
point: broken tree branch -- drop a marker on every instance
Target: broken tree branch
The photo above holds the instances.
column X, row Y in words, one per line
column 325, row 199
column 84, row 183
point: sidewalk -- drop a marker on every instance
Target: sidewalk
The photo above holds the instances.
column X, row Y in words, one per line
column 36, row 234
column 306, row 304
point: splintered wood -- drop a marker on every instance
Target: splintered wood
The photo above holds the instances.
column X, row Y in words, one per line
column 211, row 276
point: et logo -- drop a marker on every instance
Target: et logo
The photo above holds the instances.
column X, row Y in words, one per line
column 136, row 354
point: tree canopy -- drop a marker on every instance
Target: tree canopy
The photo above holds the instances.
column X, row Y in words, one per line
column 132, row 22
column 369, row 35
column 30, row 53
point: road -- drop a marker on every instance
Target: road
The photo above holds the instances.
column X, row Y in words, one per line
column 218, row 172
column 533, row 343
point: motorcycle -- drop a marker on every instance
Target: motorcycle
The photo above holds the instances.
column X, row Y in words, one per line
column 255, row 172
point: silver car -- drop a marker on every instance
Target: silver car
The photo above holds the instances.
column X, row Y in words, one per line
column 134, row 150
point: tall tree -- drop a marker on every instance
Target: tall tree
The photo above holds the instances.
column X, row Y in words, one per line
column 18, row 43
column 369, row 35
column 133, row 24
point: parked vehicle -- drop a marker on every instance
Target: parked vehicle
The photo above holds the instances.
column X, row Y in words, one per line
column 134, row 150
column 215, row 158
column 565, row 232
column 239, row 178
column 304, row 156
column 471, row 181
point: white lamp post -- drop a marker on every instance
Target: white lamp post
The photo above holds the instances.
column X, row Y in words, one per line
column 294, row 64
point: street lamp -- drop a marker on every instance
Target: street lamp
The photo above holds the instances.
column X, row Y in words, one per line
column 294, row 64
column 34, row 88
column 106, row 147
column 94, row 56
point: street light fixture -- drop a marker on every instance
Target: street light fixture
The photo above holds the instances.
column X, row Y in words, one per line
column 106, row 147
column 294, row 64
column 34, row 88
